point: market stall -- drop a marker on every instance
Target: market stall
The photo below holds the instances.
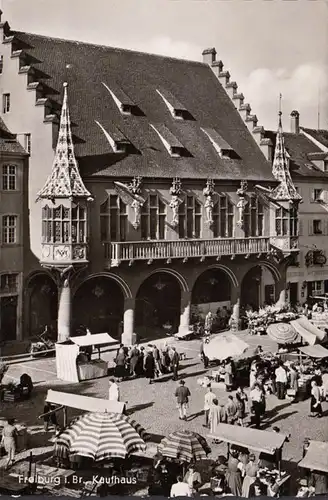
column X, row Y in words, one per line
column 74, row 361
column 316, row 457
column 224, row 345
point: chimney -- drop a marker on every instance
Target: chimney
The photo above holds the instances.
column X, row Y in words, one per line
column 209, row 56
column 295, row 122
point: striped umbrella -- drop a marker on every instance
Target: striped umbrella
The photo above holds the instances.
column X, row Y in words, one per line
column 282, row 333
column 104, row 435
column 185, row 446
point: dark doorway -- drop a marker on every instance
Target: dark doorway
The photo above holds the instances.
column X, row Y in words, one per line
column 99, row 305
column 8, row 318
column 293, row 293
column 43, row 304
column 158, row 305
column 250, row 288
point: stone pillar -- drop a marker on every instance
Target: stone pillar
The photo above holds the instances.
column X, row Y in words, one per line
column 128, row 335
column 235, row 316
column 281, row 292
column 185, row 312
column 64, row 311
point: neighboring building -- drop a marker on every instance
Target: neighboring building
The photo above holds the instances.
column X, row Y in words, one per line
column 308, row 161
column 182, row 220
column 13, row 214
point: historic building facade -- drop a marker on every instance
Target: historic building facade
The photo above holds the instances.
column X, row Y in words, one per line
column 13, row 190
column 307, row 152
column 159, row 203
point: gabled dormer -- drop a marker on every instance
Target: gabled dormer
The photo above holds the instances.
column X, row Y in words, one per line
column 124, row 103
column 221, row 146
column 117, row 140
column 177, row 110
column 170, row 142
column 320, row 160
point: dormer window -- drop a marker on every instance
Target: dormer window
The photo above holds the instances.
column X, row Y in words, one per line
column 177, row 110
column 122, row 100
column 117, row 140
column 171, row 143
column 224, row 150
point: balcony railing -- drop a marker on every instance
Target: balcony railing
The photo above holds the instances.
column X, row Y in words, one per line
column 118, row 252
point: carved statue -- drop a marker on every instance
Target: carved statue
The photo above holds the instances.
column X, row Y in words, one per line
column 136, row 205
column 175, row 191
column 208, row 192
column 242, row 203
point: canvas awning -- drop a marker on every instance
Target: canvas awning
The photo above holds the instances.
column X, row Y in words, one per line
column 86, row 403
column 96, row 339
column 315, row 351
column 306, row 334
column 223, row 346
column 253, row 439
column 316, row 457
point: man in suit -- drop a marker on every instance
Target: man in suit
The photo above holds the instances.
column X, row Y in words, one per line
column 175, row 363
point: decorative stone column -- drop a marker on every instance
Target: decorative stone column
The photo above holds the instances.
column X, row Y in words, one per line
column 64, row 310
column 185, row 311
column 128, row 335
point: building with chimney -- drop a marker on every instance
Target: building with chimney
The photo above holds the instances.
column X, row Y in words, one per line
column 14, row 235
column 307, row 156
column 187, row 213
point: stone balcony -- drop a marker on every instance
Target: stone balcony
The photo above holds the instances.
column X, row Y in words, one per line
column 118, row 252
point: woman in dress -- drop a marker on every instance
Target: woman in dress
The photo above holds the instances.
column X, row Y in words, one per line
column 241, row 399
column 228, row 377
column 9, row 433
column 214, row 416
column 120, row 362
column 134, row 358
column 251, row 470
column 149, row 366
column 315, row 405
column 233, row 476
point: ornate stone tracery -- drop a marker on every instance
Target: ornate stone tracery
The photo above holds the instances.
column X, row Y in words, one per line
column 175, row 192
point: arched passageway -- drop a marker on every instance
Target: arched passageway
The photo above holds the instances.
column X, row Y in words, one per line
column 42, row 303
column 158, row 305
column 211, row 293
column 98, row 304
column 258, row 288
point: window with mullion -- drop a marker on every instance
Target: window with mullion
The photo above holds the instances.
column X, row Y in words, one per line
column 254, row 218
column 190, row 216
column 223, row 218
column 113, row 219
column 9, row 229
column 9, row 178
column 153, row 216
column 282, row 222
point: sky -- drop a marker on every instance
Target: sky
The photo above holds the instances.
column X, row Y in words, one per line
column 268, row 46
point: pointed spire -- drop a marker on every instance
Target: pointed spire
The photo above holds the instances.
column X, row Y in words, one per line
column 286, row 190
column 64, row 180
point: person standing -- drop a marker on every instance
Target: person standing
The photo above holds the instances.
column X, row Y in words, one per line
column 281, row 381
column 139, row 370
column 203, row 356
column 134, row 358
column 208, row 403
column 251, row 470
column 175, row 360
column 229, row 375
column 113, row 391
column 192, row 478
column 231, row 411
column 256, row 398
column 182, row 394
column 149, row 366
column 215, row 417
column 241, row 400
column 293, row 380
column 233, row 475
column 120, row 362
column 158, row 364
column 315, row 405
column 8, row 441
column 49, row 417
column 180, row 489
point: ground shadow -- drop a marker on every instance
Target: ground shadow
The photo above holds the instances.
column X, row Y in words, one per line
column 139, row 407
column 265, row 425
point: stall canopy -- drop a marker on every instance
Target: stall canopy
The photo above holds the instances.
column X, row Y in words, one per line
column 306, row 334
column 316, row 457
column 315, row 351
column 253, row 439
column 223, row 346
column 282, row 333
column 86, row 403
column 96, row 339
column 314, row 325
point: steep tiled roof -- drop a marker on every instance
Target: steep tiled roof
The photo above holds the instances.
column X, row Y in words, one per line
column 298, row 147
column 318, row 135
column 88, row 67
column 8, row 142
